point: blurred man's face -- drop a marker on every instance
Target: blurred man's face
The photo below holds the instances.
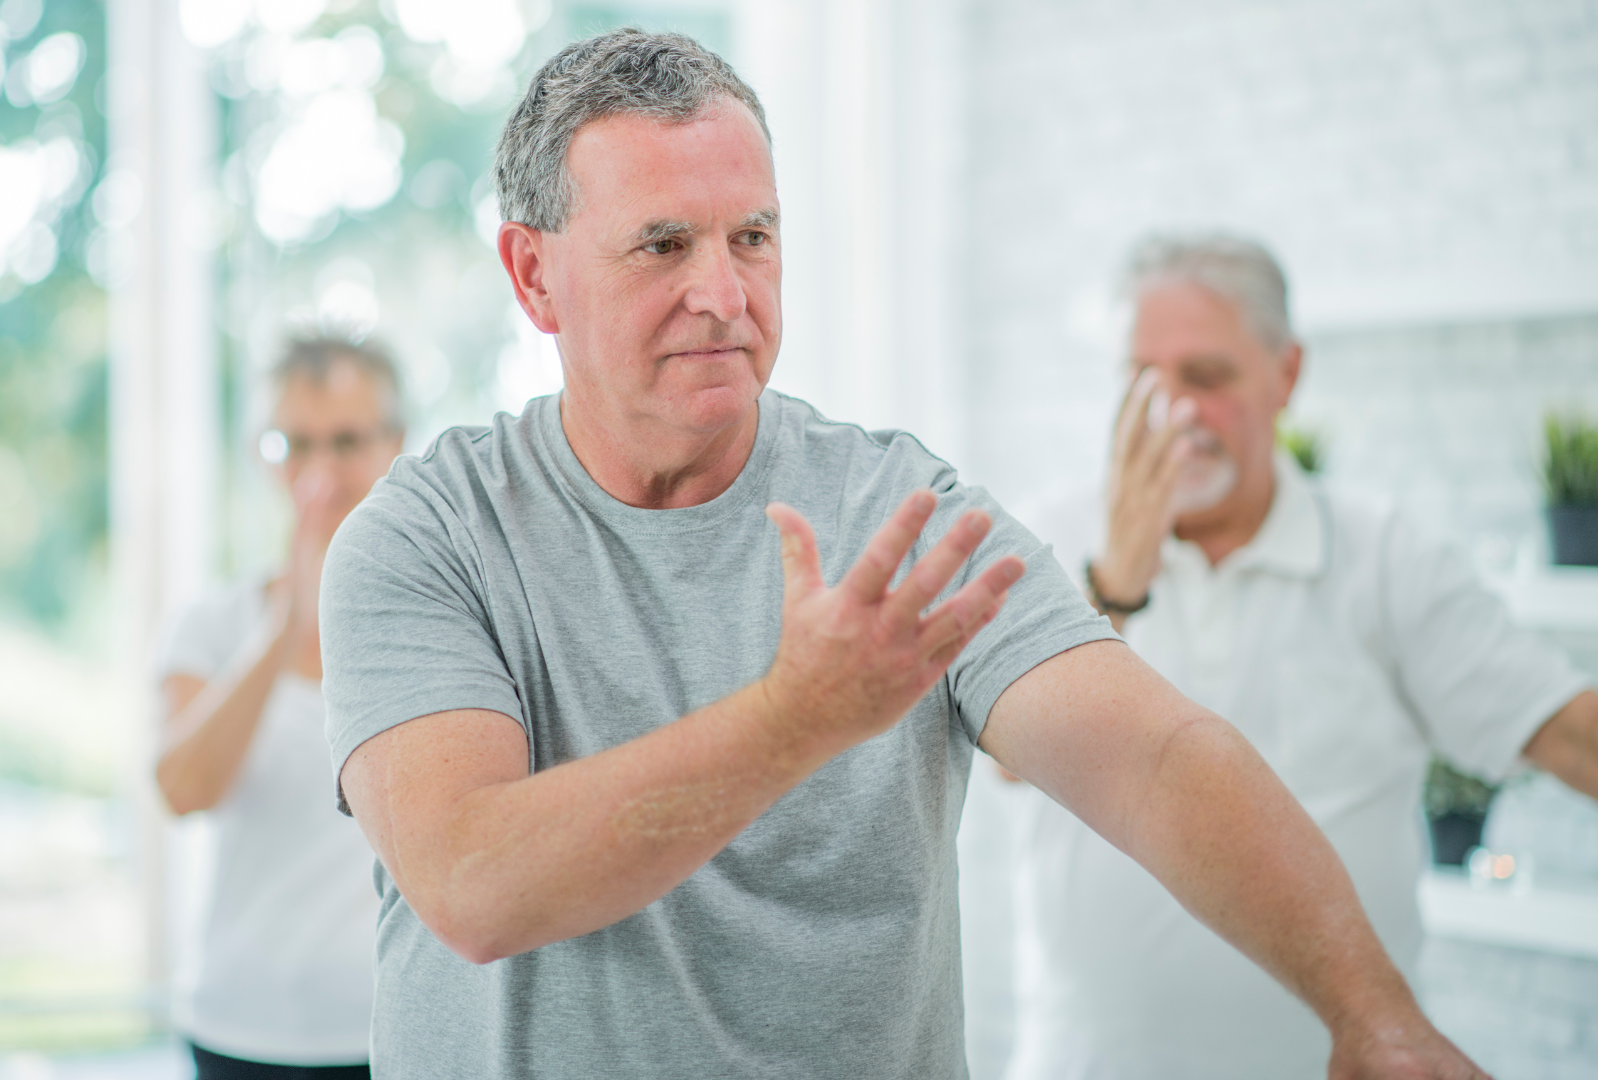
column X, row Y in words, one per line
column 337, row 432
column 1201, row 348
column 664, row 287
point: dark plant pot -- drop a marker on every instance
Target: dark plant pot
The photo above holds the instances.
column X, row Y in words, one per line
column 1575, row 535
column 1453, row 835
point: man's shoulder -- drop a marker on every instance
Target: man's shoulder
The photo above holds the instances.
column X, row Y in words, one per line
column 463, row 462
column 853, row 453
column 1378, row 543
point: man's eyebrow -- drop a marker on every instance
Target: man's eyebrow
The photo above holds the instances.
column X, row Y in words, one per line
column 656, row 231
column 760, row 219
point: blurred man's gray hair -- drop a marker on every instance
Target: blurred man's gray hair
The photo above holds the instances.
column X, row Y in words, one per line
column 666, row 77
column 1235, row 268
column 313, row 356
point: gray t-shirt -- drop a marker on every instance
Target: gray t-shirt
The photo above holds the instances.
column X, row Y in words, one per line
column 493, row 573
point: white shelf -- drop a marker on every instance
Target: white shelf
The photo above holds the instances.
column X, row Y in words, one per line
column 1551, row 597
column 1561, row 920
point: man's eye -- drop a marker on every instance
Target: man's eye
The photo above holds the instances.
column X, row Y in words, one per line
column 1208, row 380
column 661, row 247
column 755, row 239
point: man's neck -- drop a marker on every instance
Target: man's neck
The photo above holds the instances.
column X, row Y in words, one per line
column 650, row 465
column 1223, row 529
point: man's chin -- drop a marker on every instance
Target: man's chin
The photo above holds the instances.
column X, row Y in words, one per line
column 710, row 408
column 1198, row 495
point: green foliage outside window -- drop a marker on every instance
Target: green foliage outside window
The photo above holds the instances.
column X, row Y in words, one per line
column 53, row 468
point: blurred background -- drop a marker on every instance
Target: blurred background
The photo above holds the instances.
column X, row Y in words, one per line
column 182, row 181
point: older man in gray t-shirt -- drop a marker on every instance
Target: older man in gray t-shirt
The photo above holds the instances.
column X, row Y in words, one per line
column 650, row 797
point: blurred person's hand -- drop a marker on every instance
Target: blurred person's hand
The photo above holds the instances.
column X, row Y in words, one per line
column 318, row 512
column 1145, row 467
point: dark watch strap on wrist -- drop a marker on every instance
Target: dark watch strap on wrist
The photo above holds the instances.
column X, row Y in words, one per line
column 1106, row 605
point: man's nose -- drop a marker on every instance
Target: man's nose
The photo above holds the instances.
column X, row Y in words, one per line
column 715, row 288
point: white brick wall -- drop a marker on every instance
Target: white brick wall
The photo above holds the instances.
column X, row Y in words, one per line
column 1411, row 162
column 1447, row 418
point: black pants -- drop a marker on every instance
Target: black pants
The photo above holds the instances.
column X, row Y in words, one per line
column 213, row 1066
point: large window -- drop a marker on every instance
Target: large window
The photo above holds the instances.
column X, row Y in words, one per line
column 345, row 188
column 70, row 930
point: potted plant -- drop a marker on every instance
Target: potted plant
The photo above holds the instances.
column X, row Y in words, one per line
column 1307, row 445
column 1456, row 811
column 1570, row 482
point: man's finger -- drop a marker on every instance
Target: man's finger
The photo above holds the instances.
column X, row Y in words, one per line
column 801, row 562
column 956, row 620
column 1156, row 449
column 944, row 656
column 869, row 577
column 937, row 568
column 1132, row 422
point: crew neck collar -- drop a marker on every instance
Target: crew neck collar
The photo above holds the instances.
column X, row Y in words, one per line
column 550, row 435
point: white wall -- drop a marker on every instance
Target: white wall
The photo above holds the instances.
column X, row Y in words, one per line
column 865, row 101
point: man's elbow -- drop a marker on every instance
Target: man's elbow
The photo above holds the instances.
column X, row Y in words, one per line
column 470, row 925
column 179, row 793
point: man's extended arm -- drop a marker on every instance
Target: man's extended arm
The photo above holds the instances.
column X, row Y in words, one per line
column 1567, row 745
column 1182, row 792
column 496, row 862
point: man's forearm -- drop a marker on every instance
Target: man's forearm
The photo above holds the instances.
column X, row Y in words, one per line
column 208, row 735
column 1233, row 845
column 508, row 866
column 1567, row 745
column 1179, row 790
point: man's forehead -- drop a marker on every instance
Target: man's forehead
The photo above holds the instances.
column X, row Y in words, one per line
column 640, row 172
column 1185, row 317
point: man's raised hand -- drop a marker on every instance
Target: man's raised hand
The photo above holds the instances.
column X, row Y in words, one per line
column 854, row 658
column 1144, row 468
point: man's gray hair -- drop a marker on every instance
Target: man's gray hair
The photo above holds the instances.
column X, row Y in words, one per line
column 313, row 358
column 666, row 77
column 1237, row 269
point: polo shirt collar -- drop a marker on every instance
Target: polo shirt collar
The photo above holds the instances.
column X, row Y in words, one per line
column 1292, row 539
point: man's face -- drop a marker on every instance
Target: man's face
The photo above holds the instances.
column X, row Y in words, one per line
column 335, row 432
column 664, row 289
column 1201, row 348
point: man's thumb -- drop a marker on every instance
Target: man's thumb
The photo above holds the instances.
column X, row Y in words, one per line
column 801, row 564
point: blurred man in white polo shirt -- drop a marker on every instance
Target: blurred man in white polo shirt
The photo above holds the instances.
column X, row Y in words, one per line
column 1346, row 643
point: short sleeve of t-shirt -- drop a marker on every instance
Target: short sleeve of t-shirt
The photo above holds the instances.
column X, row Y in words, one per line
column 1044, row 615
column 401, row 580
column 1481, row 685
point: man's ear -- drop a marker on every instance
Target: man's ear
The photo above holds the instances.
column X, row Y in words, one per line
column 522, row 251
column 1292, row 363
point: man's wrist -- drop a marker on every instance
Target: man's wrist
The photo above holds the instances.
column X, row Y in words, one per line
column 793, row 738
column 1111, row 604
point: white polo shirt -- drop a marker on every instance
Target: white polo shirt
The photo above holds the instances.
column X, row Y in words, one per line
column 1347, row 646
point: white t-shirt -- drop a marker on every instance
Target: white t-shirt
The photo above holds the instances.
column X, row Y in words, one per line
column 1347, row 646
column 284, row 967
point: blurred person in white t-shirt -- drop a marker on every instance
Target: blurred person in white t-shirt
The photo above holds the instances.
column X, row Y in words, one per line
column 283, row 981
column 1347, row 643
